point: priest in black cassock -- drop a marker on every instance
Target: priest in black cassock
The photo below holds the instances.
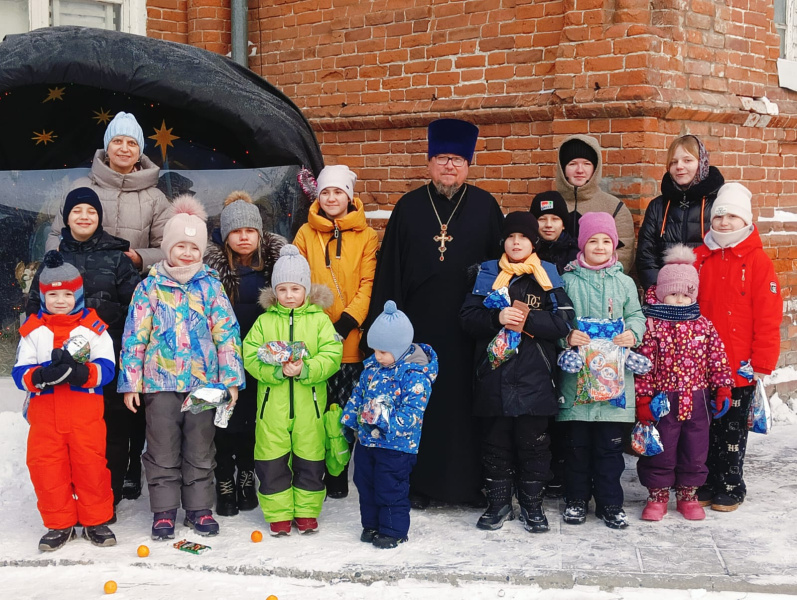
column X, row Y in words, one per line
column 434, row 234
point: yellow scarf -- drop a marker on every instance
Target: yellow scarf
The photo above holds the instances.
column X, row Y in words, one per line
column 531, row 265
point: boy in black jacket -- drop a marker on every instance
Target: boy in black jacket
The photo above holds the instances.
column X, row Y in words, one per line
column 515, row 398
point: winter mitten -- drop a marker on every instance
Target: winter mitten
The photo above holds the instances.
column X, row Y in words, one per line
column 80, row 372
column 570, row 362
column 57, row 356
column 345, row 324
column 722, row 402
column 643, row 413
column 637, row 363
column 50, row 375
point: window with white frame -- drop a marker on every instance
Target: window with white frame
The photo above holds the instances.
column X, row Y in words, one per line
column 785, row 20
column 19, row 16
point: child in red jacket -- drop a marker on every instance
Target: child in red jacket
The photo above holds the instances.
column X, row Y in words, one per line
column 691, row 368
column 66, row 443
column 740, row 294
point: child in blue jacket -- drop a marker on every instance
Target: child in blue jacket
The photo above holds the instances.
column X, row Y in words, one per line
column 386, row 413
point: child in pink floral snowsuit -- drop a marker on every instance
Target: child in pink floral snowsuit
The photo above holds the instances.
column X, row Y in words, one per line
column 689, row 366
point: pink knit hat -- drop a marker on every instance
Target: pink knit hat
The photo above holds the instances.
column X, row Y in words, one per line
column 678, row 275
column 592, row 223
column 188, row 223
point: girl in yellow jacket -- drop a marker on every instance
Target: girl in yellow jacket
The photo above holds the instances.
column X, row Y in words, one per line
column 341, row 250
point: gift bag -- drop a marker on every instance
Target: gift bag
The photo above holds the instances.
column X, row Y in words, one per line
column 659, row 406
column 278, row 352
column 505, row 344
column 209, row 397
column 759, row 419
column 338, row 452
column 645, row 440
column 602, row 378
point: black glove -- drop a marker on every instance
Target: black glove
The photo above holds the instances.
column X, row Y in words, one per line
column 51, row 375
column 80, row 372
column 345, row 324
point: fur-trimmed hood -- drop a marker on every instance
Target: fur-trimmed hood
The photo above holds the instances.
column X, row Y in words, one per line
column 320, row 295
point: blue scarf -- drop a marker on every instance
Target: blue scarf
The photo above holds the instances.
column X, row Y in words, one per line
column 672, row 312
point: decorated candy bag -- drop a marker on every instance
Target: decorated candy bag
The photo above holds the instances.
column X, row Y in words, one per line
column 78, row 347
column 602, row 378
column 759, row 419
column 645, row 440
column 505, row 344
column 223, row 414
column 278, row 352
column 209, row 397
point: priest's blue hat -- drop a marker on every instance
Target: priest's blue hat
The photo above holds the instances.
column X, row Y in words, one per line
column 452, row 136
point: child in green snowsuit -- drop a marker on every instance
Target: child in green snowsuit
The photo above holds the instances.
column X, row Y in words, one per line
column 291, row 397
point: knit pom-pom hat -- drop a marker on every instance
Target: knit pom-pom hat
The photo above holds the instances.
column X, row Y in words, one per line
column 240, row 212
column 188, row 223
column 291, row 267
column 59, row 275
column 678, row 275
column 391, row 331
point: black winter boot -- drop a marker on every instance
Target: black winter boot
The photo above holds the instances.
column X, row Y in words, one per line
column 226, row 504
column 499, row 508
column 56, row 538
column 131, row 488
column 99, row 535
column 532, row 515
column 247, row 490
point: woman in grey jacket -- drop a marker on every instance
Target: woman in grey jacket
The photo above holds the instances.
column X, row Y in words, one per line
column 126, row 182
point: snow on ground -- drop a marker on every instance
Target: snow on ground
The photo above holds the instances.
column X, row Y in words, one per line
column 749, row 553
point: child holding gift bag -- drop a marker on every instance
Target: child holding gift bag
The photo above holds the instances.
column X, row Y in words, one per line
column 599, row 289
column 181, row 335
column 691, row 368
column 290, row 439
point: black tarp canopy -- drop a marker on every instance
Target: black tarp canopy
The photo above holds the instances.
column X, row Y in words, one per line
column 60, row 85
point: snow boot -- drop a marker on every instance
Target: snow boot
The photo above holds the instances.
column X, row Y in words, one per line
column 337, row 485
column 385, row 542
column 656, row 507
column 56, row 538
column 614, row 516
column 368, row 535
column 279, row 528
column 705, row 493
column 163, row 525
column 99, row 535
column 201, row 521
column 247, row 490
column 131, row 488
column 575, row 512
column 499, row 508
column 532, row 514
column 687, row 503
column 306, row 524
column 226, row 502
column 726, row 502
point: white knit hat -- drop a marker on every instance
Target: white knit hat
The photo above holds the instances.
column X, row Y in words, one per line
column 733, row 199
column 339, row 176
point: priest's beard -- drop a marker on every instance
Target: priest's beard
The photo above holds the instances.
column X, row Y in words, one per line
column 446, row 190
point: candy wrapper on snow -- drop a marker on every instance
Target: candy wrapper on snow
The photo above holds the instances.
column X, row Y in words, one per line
column 209, row 397
column 746, row 371
column 78, row 347
column 278, row 353
column 505, row 344
column 759, row 419
column 637, row 363
column 659, row 405
column 570, row 362
column 223, row 414
column 602, row 378
column 191, row 547
column 377, row 411
column 645, row 440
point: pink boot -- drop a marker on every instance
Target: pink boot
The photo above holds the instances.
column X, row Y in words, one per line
column 656, row 507
column 691, row 510
column 654, row 511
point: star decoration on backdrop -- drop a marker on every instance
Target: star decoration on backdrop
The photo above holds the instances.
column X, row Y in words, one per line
column 163, row 138
column 56, row 93
column 103, row 117
column 45, row 137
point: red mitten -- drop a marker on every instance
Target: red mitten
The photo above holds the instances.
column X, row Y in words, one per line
column 643, row 414
column 722, row 402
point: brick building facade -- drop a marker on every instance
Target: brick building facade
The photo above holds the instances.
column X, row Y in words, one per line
column 635, row 74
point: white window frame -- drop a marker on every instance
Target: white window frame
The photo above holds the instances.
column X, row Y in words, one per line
column 133, row 14
column 787, row 66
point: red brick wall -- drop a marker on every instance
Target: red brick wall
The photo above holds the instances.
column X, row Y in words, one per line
column 370, row 75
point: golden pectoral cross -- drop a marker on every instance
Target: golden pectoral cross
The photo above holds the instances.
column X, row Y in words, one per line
column 443, row 238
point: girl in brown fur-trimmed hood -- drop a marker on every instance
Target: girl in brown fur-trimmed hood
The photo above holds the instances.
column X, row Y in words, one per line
column 244, row 256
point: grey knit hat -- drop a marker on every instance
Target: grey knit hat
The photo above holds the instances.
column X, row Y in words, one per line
column 391, row 332
column 291, row 267
column 239, row 212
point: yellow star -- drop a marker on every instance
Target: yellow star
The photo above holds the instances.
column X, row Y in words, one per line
column 55, row 94
column 163, row 138
column 102, row 116
column 45, row 137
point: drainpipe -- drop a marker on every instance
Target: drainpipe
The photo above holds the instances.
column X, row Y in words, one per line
column 240, row 31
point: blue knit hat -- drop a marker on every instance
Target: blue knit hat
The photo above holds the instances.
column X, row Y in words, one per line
column 391, row 332
column 124, row 124
column 452, row 136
